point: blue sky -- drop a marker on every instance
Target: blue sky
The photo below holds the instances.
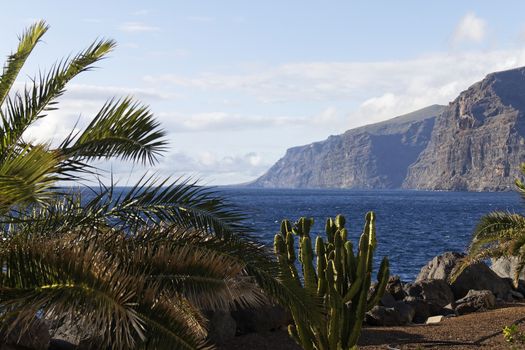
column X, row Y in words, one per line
column 236, row 83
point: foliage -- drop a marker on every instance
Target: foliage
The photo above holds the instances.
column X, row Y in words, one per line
column 498, row 234
column 513, row 336
column 134, row 269
column 339, row 279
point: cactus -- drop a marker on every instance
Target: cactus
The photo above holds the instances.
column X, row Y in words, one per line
column 339, row 278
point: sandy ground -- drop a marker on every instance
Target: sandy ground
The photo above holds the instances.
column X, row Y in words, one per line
column 480, row 330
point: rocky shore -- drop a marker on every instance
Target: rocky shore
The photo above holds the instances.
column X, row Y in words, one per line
column 430, row 299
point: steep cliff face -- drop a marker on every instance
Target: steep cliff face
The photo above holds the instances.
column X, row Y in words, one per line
column 373, row 156
column 478, row 142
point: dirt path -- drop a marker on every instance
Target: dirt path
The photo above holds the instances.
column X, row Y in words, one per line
column 475, row 331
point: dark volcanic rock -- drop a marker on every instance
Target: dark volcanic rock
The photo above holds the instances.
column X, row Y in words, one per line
column 436, row 293
column 395, row 287
column 477, row 276
column 372, row 156
column 399, row 315
column 35, row 337
column 477, row 143
column 475, row 300
column 421, row 309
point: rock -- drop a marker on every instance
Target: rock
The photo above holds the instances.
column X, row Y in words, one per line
column 477, row 276
column 36, row 337
column 477, row 142
column 395, row 288
column 516, row 295
column 262, row 319
column 399, row 315
column 435, row 319
column 506, row 267
column 436, row 293
column 71, row 332
column 406, row 312
column 222, row 326
column 448, row 310
column 372, row 156
column 475, row 300
column 421, row 309
column 387, row 300
column 58, row 344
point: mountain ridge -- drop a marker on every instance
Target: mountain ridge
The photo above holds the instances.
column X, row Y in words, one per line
column 476, row 143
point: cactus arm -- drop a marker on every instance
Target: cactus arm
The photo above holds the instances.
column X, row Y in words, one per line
column 339, row 264
column 382, row 277
column 290, row 254
column 350, row 261
column 354, row 289
column 310, row 278
column 359, row 313
column 334, row 322
column 321, row 267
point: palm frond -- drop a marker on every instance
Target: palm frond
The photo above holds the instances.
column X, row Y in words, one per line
column 23, row 109
column 16, row 60
column 122, row 128
column 26, row 176
column 181, row 202
column 495, row 228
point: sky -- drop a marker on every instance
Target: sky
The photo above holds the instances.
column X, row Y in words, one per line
column 236, row 83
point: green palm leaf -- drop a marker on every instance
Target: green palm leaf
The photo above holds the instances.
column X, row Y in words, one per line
column 122, row 128
column 16, row 60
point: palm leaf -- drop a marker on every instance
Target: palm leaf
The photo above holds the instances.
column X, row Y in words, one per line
column 16, row 60
column 122, row 128
column 25, row 108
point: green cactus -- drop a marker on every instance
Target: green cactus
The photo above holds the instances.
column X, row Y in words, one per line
column 339, row 278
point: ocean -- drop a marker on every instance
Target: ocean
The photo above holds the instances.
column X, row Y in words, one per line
column 412, row 226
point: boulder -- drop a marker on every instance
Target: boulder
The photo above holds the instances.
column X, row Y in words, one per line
column 505, row 267
column 395, row 288
column 421, row 309
column 436, row 293
column 406, row 312
column 399, row 315
column 261, row 319
column 475, row 300
column 222, row 327
column 34, row 337
column 477, row 276
column 58, row 344
column 387, row 300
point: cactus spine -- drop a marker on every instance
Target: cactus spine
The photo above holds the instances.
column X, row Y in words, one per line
column 339, row 278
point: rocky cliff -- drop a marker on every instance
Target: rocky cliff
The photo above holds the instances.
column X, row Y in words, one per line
column 372, row 156
column 477, row 143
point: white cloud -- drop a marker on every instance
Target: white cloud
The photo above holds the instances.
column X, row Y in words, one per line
column 99, row 92
column 379, row 90
column 133, row 27
column 218, row 121
column 470, row 28
column 209, row 163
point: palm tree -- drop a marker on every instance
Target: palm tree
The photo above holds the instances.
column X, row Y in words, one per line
column 135, row 269
column 499, row 234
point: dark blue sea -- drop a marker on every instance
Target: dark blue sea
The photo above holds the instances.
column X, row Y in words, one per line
column 412, row 226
